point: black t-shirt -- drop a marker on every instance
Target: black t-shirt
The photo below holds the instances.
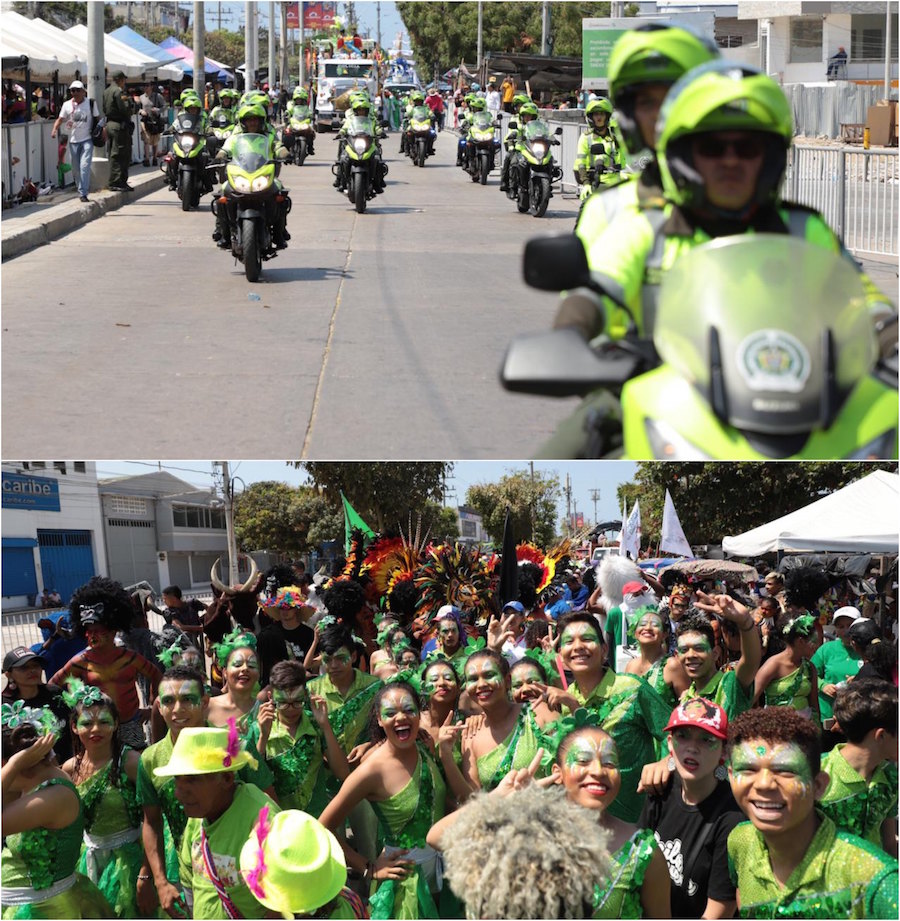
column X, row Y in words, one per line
column 276, row 644
column 677, row 827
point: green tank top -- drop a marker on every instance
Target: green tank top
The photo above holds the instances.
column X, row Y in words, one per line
column 407, row 816
column 621, row 896
column 109, row 808
column 792, row 690
column 516, row 751
column 40, row 857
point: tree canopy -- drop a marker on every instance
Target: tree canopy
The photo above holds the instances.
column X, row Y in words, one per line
column 526, row 496
column 717, row 499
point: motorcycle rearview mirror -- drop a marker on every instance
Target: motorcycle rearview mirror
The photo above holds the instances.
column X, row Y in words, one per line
column 555, row 263
column 560, row 363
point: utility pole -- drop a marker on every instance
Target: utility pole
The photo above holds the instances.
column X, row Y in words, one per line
column 283, row 69
column 568, row 492
column 545, row 28
column 480, row 35
column 228, row 494
column 378, row 23
column 96, row 77
column 251, row 45
column 302, row 74
column 888, row 58
column 199, row 55
column 271, row 44
column 595, row 497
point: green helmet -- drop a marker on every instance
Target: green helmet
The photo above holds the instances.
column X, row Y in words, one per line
column 250, row 110
column 652, row 53
column 190, row 97
column 417, row 98
column 469, row 97
column 229, row 94
column 520, row 99
column 722, row 96
column 477, row 104
column 528, row 108
column 595, row 106
column 301, row 94
column 360, row 101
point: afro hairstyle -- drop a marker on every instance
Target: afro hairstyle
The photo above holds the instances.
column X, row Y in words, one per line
column 117, row 612
column 344, row 599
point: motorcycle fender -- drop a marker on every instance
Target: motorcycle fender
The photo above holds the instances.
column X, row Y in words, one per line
column 244, row 213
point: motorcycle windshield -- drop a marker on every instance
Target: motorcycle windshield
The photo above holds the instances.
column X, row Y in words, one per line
column 358, row 125
column 185, row 122
column 421, row 113
column 483, row 121
column 536, row 129
column 250, row 151
column 300, row 113
column 772, row 301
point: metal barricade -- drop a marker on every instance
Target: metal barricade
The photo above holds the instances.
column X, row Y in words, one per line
column 855, row 190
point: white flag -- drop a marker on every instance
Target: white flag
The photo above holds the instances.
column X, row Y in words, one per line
column 631, row 533
column 621, row 535
column 673, row 538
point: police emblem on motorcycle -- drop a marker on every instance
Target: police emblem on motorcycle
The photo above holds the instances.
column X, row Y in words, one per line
column 771, row 359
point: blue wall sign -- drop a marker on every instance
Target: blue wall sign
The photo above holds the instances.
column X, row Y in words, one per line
column 30, row 492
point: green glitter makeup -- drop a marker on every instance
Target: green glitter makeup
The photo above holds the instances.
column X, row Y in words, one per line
column 785, row 761
column 522, row 676
column 341, row 657
column 85, row 720
column 490, row 674
column 240, row 659
column 650, row 620
column 186, row 692
column 699, row 645
column 399, row 702
column 586, row 634
column 587, row 748
column 285, row 699
column 435, row 674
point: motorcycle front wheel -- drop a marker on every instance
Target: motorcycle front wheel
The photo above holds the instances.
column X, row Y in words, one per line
column 540, row 196
column 358, row 184
column 301, row 152
column 484, row 163
column 187, row 191
column 421, row 153
column 250, row 241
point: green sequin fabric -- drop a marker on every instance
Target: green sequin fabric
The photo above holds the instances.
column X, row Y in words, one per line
column 792, row 690
column 621, row 896
column 107, row 808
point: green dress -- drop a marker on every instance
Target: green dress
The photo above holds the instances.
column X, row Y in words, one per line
column 793, row 690
column 635, row 716
column 349, row 716
column 655, row 677
column 112, row 854
column 38, row 873
column 404, row 819
column 297, row 763
column 516, row 751
column 621, row 897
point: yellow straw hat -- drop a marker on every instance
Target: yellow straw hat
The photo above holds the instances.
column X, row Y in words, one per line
column 207, row 750
column 292, row 863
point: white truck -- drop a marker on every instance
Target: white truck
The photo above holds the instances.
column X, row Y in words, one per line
column 336, row 76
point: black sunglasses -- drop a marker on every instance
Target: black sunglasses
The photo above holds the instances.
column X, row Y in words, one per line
column 714, row 148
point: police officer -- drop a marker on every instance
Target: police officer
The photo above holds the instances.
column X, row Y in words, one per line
column 118, row 107
column 606, row 164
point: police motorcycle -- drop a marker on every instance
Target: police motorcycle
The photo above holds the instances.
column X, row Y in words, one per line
column 762, row 348
column 299, row 135
column 187, row 164
column 481, row 147
column 365, row 170
column 533, row 171
column 252, row 202
column 420, row 135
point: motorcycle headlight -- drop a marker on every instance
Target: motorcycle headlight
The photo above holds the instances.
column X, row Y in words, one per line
column 360, row 144
column 260, row 183
column 240, row 183
column 187, row 142
column 540, row 148
column 668, row 444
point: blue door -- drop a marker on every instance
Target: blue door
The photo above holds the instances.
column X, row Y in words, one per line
column 67, row 560
column 19, row 577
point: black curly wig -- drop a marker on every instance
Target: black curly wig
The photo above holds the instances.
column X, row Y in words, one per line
column 530, row 576
column 805, row 585
column 344, row 599
column 402, row 601
column 117, row 611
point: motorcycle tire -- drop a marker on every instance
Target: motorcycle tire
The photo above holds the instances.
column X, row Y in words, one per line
column 522, row 202
column 484, row 164
column 421, row 153
column 188, row 191
column 541, row 197
column 250, row 242
column 358, row 182
column 301, row 154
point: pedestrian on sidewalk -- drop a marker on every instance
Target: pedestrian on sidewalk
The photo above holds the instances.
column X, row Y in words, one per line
column 153, row 119
column 118, row 107
column 76, row 114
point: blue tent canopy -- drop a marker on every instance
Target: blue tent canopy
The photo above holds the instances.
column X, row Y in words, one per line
column 211, row 67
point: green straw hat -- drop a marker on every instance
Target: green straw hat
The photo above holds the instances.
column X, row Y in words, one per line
column 207, row 750
column 292, row 863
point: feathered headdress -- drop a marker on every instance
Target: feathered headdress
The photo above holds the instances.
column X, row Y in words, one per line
column 453, row 574
column 613, row 574
column 239, row 639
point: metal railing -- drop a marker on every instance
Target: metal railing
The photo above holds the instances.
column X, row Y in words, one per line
column 855, row 190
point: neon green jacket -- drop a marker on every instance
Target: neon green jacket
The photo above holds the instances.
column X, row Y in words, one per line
column 607, row 164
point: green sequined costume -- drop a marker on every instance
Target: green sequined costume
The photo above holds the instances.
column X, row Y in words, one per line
column 349, row 716
column 855, row 805
column 297, row 764
column 516, row 751
column 635, row 716
column 621, row 897
column 404, row 820
column 841, row 876
column 725, row 690
column 44, row 860
column 655, row 677
column 112, row 854
column 793, row 690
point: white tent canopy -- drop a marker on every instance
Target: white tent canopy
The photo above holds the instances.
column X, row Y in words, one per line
column 860, row 518
column 44, row 56
column 120, row 56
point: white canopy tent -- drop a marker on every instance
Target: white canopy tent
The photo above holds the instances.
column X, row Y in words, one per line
column 45, row 57
column 860, row 518
column 120, row 56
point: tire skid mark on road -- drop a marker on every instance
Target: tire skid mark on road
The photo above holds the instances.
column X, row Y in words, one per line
column 332, row 324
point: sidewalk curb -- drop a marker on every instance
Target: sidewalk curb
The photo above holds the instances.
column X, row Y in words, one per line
column 73, row 215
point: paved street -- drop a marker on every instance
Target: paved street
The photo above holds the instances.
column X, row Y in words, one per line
column 374, row 336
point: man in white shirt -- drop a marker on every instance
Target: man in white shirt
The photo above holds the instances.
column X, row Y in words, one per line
column 492, row 99
column 75, row 114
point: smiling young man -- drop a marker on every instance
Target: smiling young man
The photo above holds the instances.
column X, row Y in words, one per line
column 789, row 860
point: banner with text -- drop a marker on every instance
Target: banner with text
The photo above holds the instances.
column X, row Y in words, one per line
column 315, row 15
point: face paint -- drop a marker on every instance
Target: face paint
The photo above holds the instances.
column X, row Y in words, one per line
column 523, row 676
column 392, row 704
column 341, row 657
column 650, row 620
column 434, row 675
column 185, row 692
column 284, row 699
column 584, row 632
column 587, row 748
column 698, row 645
column 87, row 718
column 240, row 659
column 490, row 675
column 785, row 761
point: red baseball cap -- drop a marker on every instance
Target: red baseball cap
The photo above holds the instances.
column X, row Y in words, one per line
column 702, row 713
column 632, row 587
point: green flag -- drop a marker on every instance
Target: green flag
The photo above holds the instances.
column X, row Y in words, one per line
column 352, row 520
